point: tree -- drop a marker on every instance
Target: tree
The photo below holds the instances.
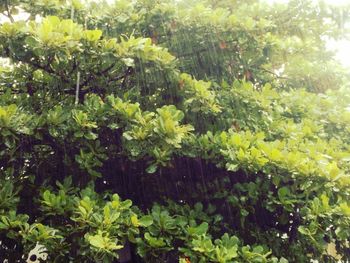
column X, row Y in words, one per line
column 225, row 123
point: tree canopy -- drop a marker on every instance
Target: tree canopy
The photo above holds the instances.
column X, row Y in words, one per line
column 173, row 131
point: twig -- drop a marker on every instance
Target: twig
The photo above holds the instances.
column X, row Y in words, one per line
column 128, row 72
column 104, row 71
column 77, row 89
column 8, row 12
column 275, row 74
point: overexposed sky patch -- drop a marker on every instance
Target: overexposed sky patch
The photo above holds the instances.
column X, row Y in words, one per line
column 342, row 48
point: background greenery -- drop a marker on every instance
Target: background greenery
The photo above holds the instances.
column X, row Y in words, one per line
column 174, row 131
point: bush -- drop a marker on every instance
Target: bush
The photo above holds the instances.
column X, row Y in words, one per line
column 173, row 131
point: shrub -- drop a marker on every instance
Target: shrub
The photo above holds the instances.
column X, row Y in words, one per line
column 173, row 131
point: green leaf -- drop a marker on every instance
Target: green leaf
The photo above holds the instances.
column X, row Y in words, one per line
column 199, row 230
column 152, row 168
column 146, row 221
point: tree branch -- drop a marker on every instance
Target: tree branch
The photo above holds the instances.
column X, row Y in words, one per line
column 8, row 12
column 273, row 73
column 104, row 71
column 128, row 72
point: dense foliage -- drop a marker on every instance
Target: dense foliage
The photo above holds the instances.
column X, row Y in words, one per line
column 173, row 131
